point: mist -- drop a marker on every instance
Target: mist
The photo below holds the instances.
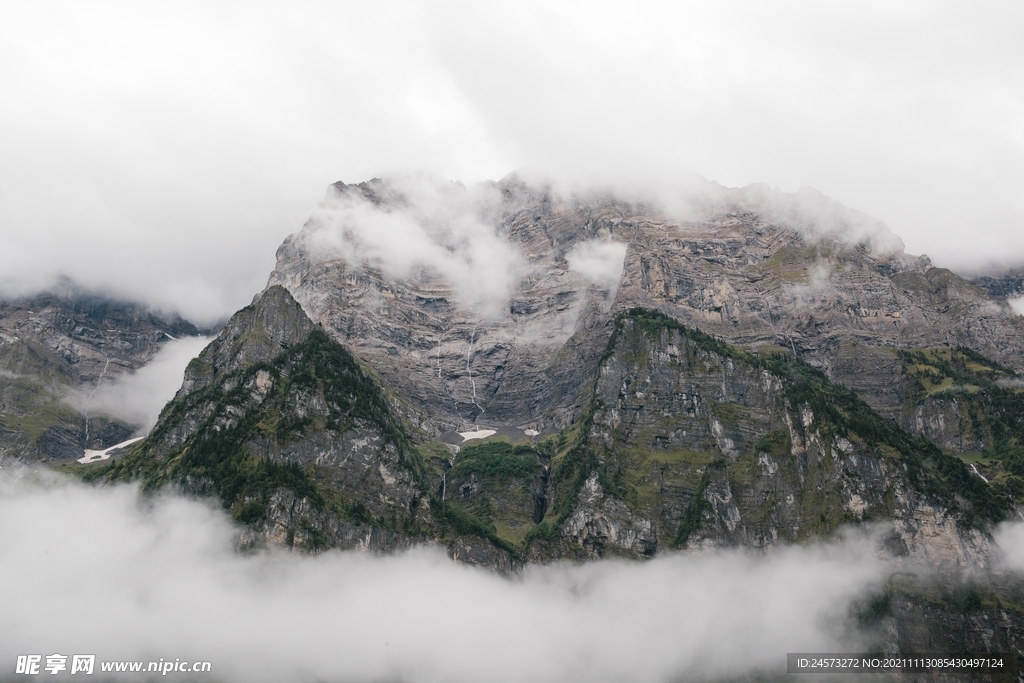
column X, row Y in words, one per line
column 138, row 397
column 103, row 571
column 437, row 233
column 1010, row 538
column 599, row 262
column 163, row 153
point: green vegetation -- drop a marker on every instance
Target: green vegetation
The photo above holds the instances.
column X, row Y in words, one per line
column 791, row 255
column 570, row 471
column 497, row 460
column 632, row 468
column 694, row 513
column 32, row 404
column 729, row 414
column 990, row 404
column 775, row 443
column 838, row 411
column 221, row 456
column 961, row 370
column 231, row 453
column 454, row 518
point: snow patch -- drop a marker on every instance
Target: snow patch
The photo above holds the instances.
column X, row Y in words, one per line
column 479, row 434
column 93, row 456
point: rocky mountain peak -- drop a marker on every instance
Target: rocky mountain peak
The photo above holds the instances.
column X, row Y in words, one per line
column 257, row 333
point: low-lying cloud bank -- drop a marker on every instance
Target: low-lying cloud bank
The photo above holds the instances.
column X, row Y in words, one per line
column 96, row 571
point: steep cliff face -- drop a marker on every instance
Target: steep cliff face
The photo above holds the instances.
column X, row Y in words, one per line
column 757, row 268
column 585, row 320
column 692, row 442
column 53, row 344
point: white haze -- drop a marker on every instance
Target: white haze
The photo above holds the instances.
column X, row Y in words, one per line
column 817, row 288
column 438, row 234
column 89, row 570
column 444, row 235
column 447, row 235
column 138, row 397
column 163, row 151
column 806, row 212
column 1017, row 304
column 1010, row 538
column 815, row 215
column 600, row 263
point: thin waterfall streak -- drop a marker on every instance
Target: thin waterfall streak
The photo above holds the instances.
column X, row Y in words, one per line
column 88, row 399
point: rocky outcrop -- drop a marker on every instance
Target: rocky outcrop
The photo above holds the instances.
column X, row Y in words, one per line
column 513, row 360
column 718, row 454
column 752, row 374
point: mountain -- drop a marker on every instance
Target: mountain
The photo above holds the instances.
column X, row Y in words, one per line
column 798, row 274
column 55, row 344
column 764, row 371
column 523, row 375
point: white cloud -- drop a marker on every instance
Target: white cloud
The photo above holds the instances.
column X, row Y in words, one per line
column 1017, row 304
column 1009, row 536
column 133, row 580
column 138, row 397
column 438, row 233
column 599, row 263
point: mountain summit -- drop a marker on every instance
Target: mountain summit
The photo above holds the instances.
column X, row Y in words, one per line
column 522, row 375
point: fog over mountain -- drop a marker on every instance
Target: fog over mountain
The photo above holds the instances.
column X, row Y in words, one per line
column 162, row 579
column 610, row 352
column 138, row 397
column 165, row 152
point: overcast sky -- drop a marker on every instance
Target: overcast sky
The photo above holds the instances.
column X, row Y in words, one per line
column 164, row 150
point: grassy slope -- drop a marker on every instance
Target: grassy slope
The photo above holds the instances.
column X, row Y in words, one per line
column 991, row 401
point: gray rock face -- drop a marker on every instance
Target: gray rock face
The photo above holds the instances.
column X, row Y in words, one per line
column 256, row 334
column 1008, row 285
column 513, row 360
column 756, row 268
column 53, row 344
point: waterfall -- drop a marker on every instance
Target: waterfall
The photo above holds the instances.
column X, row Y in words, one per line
column 89, row 399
